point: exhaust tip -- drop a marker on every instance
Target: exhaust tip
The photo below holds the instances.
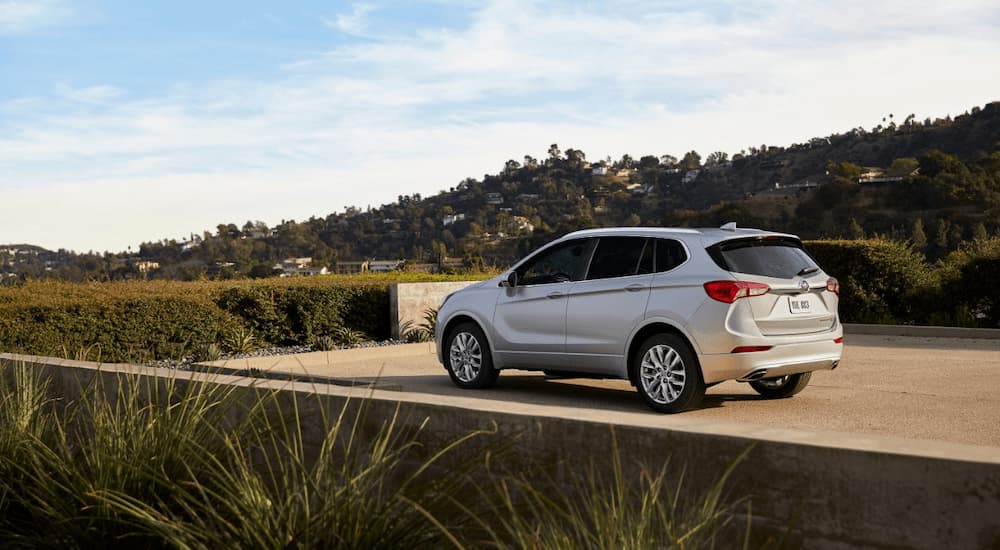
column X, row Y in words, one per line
column 835, row 365
column 755, row 375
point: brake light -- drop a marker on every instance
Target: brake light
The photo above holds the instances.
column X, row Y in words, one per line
column 750, row 349
column 833, row 285
column 730, row 291
column 838, row 340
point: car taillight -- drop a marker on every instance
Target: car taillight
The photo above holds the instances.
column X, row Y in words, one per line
column 839, row 340
column 833, row 285
column 730, row 291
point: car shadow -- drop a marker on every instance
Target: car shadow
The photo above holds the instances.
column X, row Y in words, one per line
column 535, row 389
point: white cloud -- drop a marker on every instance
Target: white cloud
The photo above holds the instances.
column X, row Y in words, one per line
column 419, row 111
column 354, row 23
column 90, row 94
column 18, row 16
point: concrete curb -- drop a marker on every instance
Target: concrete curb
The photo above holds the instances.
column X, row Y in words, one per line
column 922, row 331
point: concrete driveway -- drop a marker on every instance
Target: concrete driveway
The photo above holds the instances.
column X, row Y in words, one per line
column 941, row 389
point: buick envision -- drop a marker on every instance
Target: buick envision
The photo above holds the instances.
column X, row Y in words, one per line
column 671, row 310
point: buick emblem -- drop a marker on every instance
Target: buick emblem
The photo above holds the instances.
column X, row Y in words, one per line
column 804, row 285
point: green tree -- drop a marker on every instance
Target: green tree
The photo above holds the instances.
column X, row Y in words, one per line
column 979, row 232
column 691, row 161
column 941, row 234
column 554, row 152
column 854, row 230
column 917, row 235
column 716, row 158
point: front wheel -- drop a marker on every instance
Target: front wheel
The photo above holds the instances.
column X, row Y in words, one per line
column 468, row 358
column 781, row 387
column 667, row 374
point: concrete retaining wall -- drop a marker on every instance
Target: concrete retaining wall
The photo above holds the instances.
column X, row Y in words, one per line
column 834, row 491
column 409, row 301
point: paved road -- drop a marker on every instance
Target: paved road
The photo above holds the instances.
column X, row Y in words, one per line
column 939, row 389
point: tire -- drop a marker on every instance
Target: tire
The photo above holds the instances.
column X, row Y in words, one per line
column 780, row 388
column 467, row 358
column 668, row 355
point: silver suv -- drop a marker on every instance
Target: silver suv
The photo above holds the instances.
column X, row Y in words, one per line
column 671, row 310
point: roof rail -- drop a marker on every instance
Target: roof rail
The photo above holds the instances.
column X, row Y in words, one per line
column 731, row 226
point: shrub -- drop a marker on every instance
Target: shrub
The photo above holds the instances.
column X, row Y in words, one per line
column 881, row 281
column 966, row 290
column 113, row 330
column 285, row 315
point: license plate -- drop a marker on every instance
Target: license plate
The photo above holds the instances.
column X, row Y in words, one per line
column 799, row 305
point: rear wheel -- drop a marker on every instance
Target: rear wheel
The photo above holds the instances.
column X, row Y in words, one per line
column 468, row 358
column 667, row 374
column 781, row 387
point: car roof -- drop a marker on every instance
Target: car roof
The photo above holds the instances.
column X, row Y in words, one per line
column 709, row 235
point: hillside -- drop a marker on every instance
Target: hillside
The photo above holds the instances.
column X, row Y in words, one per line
column 936, row 182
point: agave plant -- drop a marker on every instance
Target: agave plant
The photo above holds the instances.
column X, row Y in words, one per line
column 325, row 343
column 350, row 337
column 240, row 340
column 208, row 352
column 430, row 321
column 412, row 334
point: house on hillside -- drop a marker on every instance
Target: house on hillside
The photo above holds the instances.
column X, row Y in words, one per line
column 299, row 267
column 384, row 266
column 599, row 171
column 494, row 198
column 879, row 175
column 690, row 176
column 452, row 218
column 145, row 266
column 522, row 224
column 351, row 268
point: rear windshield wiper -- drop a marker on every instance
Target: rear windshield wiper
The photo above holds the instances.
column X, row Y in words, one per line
column 808, row 270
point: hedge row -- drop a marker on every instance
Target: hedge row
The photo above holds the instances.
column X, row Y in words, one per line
column 138, row 321
column 890, row 282
column 127, row 330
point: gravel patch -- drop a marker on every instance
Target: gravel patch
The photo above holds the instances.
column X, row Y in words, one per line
column 185, row 363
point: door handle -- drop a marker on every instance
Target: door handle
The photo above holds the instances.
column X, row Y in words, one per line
column 635, row 287
column 555, row 295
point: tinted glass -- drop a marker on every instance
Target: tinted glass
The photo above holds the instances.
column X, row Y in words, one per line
column 616, row 257
column 669, row 254
column 646, row 264
column 781, row 258
column 561, row 263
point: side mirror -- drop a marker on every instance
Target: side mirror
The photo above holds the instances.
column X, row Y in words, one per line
column 511, row 281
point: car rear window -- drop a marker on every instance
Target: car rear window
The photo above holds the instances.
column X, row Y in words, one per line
column 782, row 258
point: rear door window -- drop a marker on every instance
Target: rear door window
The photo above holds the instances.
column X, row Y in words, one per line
column 617, row 257
column 780, row 258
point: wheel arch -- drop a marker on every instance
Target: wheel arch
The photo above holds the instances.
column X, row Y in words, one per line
column 647, row 330
column 458, row 319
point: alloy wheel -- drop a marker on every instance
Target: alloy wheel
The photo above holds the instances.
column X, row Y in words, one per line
column 662, row 374
column 466, row 356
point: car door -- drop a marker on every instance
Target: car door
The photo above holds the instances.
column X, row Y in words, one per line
column 529, row 320
column 603, row 308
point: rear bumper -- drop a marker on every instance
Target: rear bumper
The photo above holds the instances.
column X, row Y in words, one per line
column 780, row 360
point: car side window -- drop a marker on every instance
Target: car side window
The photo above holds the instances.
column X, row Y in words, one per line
column 616, row 257
column 669, row 254
column 561, row 263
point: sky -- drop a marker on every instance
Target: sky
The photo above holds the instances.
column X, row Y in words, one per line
column 123, row 122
